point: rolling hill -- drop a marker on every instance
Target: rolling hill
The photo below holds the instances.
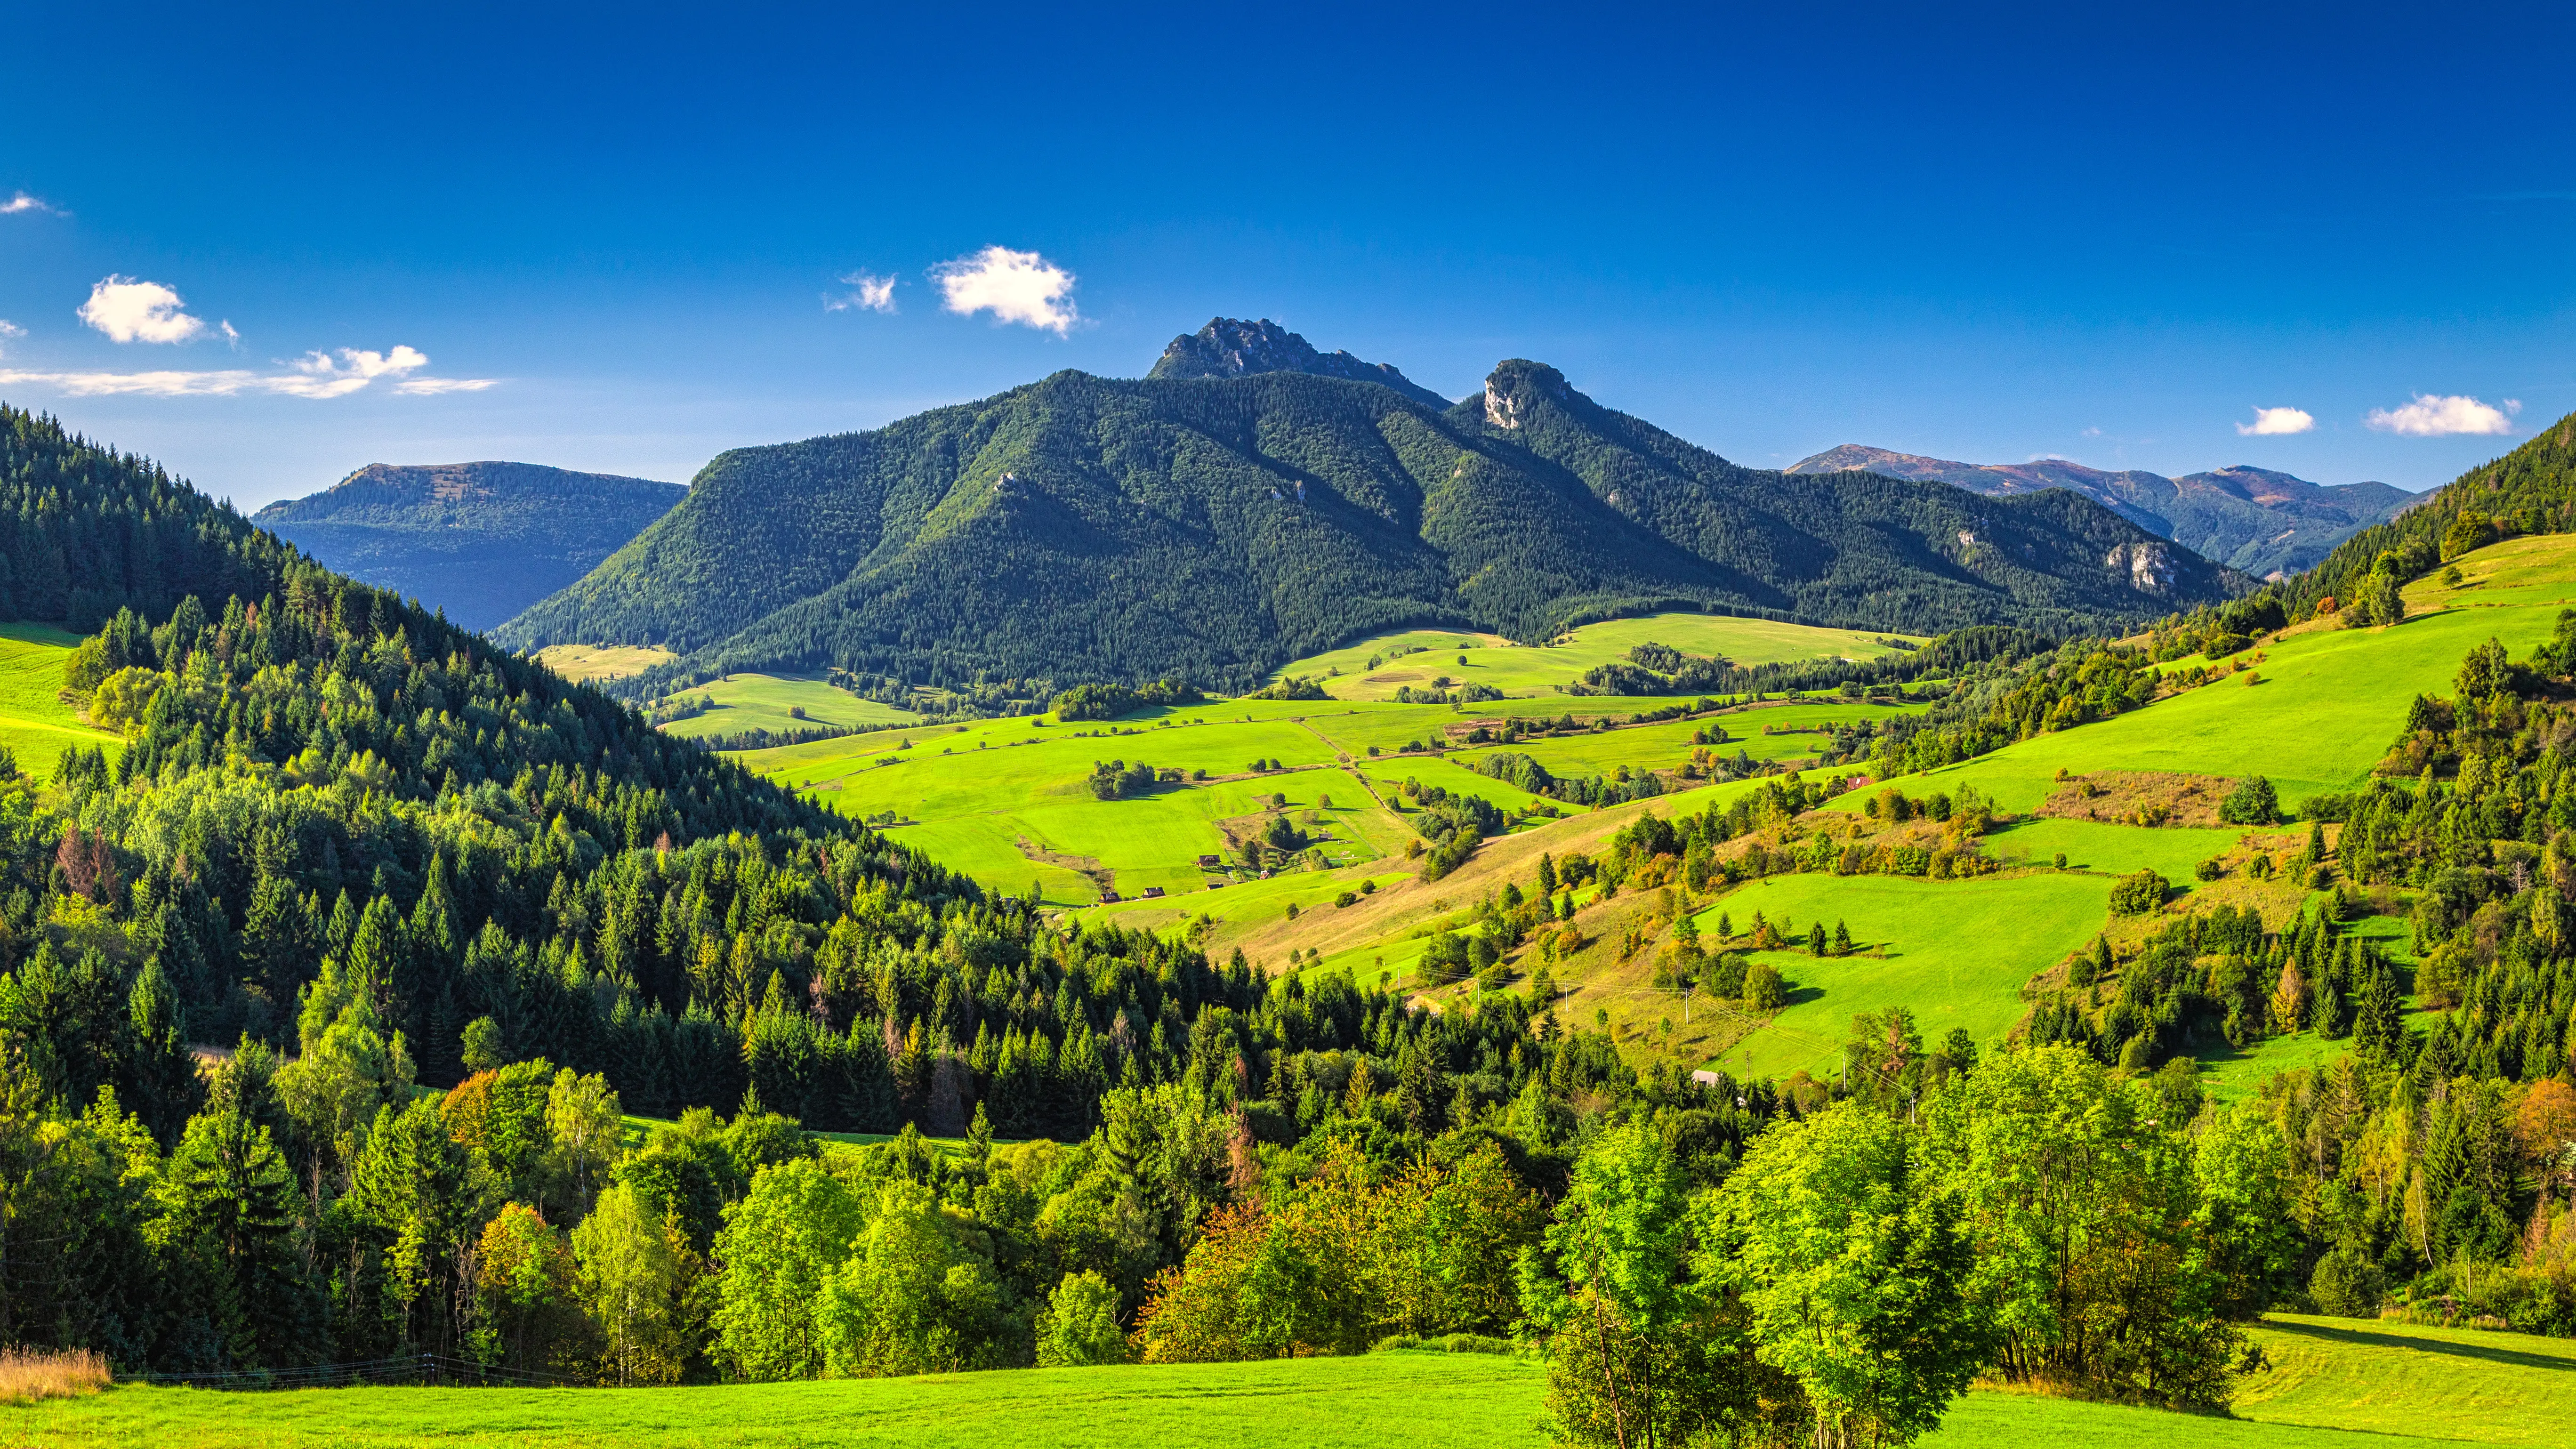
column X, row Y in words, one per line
column 1089, row 528
column 480, row 540
column 2251, row 519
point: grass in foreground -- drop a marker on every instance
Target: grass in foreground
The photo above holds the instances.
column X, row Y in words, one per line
column 1423, row 1400
column 2395, row 1379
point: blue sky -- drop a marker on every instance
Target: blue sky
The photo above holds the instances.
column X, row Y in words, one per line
column 1989, row 234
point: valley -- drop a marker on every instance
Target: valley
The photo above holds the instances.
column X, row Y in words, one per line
column 1223, row 729
column 715, row 1018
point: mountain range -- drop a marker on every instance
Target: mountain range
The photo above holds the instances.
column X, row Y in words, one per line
column 480, row 540
column 2255, row 520
column 1254, row 502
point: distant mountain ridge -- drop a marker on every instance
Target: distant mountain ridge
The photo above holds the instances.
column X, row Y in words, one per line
column 1215, row 527
column 2254, row 520
column 480, row 540
column 1232, row 347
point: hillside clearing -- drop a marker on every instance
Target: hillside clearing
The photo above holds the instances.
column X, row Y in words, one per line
column 585, row 662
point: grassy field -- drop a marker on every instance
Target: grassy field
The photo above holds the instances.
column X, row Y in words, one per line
column 1956, row 952
column 2331, row 702
column 1796, row 732
column 2393, row 1379
column 35, row 725
column 764, row 701
column 2117, row 849
column 1490, row 659
column 601, row 661
column 2332, row 1384
column 1007, row 801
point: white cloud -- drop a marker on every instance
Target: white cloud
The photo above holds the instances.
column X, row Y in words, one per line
column 23, row 202
column 322, row 375
column 2276, row 423
column 869, row 293
column 316, row 375
column 1020, row 287
column 434, row 386
column 147, row 384
column 2431, row 416
column 128, row 310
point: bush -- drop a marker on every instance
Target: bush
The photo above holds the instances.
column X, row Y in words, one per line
column 2252, row 802
column 1763, row 988
column 2210, row 869
column 2347, row 1284
column 2138, row 894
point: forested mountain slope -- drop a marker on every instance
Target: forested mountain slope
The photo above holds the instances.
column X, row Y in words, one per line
column 2529, row 490
column 2251, row 519
column 1087, row 528
column 480, row 540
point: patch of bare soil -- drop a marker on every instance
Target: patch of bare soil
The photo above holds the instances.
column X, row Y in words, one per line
column 2140, row 797
column 1082, row 865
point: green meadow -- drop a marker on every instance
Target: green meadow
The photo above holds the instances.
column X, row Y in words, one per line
column 766, row 701
column 1955, row 952
column 1491, row 660
column 2096, row 845
column 35, row 724
column 2330, row 702
column 2331, row 1384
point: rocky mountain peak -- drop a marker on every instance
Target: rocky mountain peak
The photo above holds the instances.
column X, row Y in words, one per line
column 1233, row 347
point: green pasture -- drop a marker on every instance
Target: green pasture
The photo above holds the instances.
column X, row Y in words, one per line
column 1390, row 775
column 763, row 701
column 1667, row 745
column 35, row 724
column 1957, row 953
column 2330, row 703
column 2536, row 570
column 2097, row 845
column 2332, row 1384
column 1536, row 669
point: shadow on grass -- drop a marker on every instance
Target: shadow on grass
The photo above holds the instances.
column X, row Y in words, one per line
column 2364, row 1338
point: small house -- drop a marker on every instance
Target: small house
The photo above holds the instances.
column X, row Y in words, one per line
column 1210, row 862
column 1153, row 891
column 1110, row 898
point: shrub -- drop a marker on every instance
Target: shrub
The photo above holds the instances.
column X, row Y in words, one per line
column 2138, row 894
column 1763, row 988
column 2210, row 869
column 2252, row 802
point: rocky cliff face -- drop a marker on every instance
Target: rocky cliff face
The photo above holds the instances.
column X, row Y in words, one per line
column 1232, row 347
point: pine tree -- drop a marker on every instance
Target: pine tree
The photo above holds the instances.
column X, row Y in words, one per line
column 159, row 1081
